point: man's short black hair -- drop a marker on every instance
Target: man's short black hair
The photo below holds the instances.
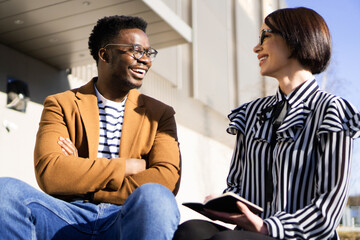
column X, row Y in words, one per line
column 108, row 28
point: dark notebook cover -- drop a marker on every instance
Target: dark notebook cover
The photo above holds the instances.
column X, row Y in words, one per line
column 223, row 203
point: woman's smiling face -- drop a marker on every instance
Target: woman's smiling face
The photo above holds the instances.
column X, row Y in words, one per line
column 273, row 53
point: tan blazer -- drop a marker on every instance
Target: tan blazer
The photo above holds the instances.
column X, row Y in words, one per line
column 149, row 132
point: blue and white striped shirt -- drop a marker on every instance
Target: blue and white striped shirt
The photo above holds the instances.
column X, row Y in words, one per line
column 310, row 162
column 111, row 116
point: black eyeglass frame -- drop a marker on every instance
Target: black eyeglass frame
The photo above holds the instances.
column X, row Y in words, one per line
column 263, row 35
column 150, row 52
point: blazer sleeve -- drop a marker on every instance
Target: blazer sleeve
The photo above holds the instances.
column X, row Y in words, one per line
column 69, row 176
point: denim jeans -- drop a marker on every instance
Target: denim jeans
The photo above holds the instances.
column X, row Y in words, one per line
column 150, row 212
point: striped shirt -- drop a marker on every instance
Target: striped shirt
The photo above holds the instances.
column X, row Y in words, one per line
column 111, row 116
column 310, row 161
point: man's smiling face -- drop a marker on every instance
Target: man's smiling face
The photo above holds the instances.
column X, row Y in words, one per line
column 124, row 68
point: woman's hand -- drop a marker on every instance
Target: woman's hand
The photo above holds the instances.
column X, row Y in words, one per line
column 67, row 147
column 211, row 196
column 246, row 220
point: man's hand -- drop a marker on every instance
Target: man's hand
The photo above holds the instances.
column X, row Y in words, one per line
column 246, row 220
column 67, row 147
column 134, row 166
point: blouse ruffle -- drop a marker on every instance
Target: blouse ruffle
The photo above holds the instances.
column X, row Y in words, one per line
column 237, row 120
column 341, row 115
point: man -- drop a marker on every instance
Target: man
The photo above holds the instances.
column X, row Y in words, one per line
column 106, row 154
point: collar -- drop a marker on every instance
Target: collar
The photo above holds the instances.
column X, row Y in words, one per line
column 297, row 97
column 106, row 102
column 302, row 93
column 299, row 109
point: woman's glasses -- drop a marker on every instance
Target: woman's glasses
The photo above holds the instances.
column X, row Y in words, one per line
column 263, row 35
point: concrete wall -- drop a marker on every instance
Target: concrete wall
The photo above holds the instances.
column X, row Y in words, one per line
column 203, row 81
column 41, row 78
column 18, row 129
column 205, row 158
column 17, row 143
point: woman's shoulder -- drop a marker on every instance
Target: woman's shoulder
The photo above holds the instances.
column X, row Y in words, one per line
column 338, row 114
column 335, row 104
column 249, row 110
column 258, row 103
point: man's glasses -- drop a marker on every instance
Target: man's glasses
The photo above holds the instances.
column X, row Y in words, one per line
column 137, row 50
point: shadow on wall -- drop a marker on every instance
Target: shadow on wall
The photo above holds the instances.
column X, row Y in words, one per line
column 17, row 95
column 39, row 87
column 42, row 79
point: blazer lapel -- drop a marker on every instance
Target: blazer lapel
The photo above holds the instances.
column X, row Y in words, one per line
column 133, row 119
column 89, row 111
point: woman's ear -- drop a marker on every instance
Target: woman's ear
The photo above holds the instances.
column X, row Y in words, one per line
column 103, row 56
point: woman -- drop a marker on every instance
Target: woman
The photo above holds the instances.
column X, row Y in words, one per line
column 293, row 149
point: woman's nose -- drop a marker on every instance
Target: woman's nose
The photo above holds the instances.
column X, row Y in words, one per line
column 257, row 48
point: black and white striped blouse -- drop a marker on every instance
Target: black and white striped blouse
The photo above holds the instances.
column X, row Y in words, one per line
column 310, row 162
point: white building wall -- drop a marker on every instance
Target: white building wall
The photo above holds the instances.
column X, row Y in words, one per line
column 17, row 143
column 203, row 82
column 18, row 129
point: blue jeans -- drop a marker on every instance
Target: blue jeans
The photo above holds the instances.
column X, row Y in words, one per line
column 150, row 212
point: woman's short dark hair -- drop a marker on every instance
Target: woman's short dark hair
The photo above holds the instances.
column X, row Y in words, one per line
column 307, row 35
column 108, row 28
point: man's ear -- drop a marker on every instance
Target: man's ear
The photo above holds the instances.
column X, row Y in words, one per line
column 103, row 55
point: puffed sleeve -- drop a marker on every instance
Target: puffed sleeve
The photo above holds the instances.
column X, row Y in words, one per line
column 237, row 120
column 236, row 127
column 341, row 116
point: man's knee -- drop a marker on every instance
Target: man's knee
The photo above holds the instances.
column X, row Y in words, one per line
column 14, row 191
column 155, row 192
column 153, row 198
column 10, row 186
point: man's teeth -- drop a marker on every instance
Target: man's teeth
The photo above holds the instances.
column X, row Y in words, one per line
column 141, row 71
